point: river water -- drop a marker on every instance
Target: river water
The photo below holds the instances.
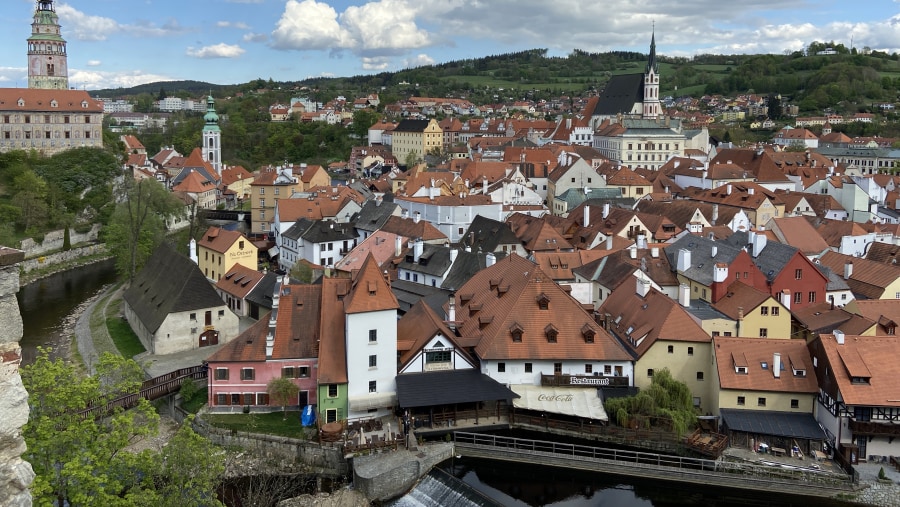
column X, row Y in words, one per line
column 46, row 304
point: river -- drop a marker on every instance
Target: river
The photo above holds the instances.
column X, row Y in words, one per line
column 45, row 305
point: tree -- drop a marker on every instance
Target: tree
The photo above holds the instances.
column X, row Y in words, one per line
column 302, row 271
column 81, row 460
column 283, row 392
column 138, row 224
column 362, row 120
column 667, row 403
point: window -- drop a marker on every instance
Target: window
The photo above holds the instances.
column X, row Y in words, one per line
column 812, row 297
column 501, row 367
column 332, row 390
column 798, row 274
column 649, row 372
column 262, row 398
column 221, row 373
column 763, row 310
column 235, row 399
column 795, row 403
column 247, row 399
column 373, row 361
column 373, row 386
column 262, row 203
column 690, row 351
column 761, row 402
column 373, row 335
column 262, row 191
column 288, row 372
column 528, row 368
column 221, row 313
column 775, row 311
column 221, row 399
column 763, row 332
column 741, row 400
column 798, row 297
column 589, row 368
column 438, row 356
column 557, row 368
column 193, row 316
column 671, row 349
column 246, row 373
column 699, row 375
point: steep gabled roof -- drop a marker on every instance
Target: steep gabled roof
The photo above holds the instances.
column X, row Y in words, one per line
column 741, row 298
column 332, row 322
column 417, row 327
column 239, row 281
column 220, row 240
column 370, row 291
column 169, row 283
column 869, row 279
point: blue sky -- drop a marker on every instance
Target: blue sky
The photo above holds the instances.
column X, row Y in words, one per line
column 113, row 43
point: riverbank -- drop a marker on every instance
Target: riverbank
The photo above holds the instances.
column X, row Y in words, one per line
column 34, row 275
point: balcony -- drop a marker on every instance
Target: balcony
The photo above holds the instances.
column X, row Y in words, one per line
column 875, row 428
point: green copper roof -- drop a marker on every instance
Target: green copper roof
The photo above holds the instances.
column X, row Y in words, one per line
column 211, row 118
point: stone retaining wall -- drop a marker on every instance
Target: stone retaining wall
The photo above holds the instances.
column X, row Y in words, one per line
column 16, row 475
column 62, row 257
column 54, row 240
column 323, row 459
column 388, row 475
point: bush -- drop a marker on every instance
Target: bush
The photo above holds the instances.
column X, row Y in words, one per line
column 189, row 389
column 881, row 474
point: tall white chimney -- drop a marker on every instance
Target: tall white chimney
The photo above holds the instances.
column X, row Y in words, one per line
column 776, row 365
column 848, row 269
column 451, row 310
column 786, row 298
column 684, row 295
column 609, row 242
column 418, row 248
column 643, row 287
column 398, row 246
column 839, row 336
column 587, row 216
column 490, row 259
column 654, row 252
column 605, row 211
column 193, row 251
column 632, row 252
column 684, row 260
column 417, row 217
column 714, row 251
column 484, row 186
column 720, row 272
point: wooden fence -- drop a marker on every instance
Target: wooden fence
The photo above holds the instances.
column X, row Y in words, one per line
column 151, row 389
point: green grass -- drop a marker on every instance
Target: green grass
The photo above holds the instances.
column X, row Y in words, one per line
column 122, row 336
column 272, row 423
column 197, row 401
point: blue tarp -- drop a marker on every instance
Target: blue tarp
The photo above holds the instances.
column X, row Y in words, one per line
column 308, row 416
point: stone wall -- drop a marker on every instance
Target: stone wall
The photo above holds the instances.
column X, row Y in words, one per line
column 328, row 460
column 53, row 240
column 62, row 257
column 388, row 475
column 16, row 475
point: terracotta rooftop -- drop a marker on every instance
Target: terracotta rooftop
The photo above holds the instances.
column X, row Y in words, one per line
column 746, row 364
column 869, row 360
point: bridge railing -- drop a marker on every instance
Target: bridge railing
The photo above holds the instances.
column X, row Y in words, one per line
column 151, row 389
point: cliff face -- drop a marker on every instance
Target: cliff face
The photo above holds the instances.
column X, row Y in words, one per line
column 16, row 475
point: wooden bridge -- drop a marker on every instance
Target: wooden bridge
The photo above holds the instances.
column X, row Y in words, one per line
column 151, row 389
column 718, row 473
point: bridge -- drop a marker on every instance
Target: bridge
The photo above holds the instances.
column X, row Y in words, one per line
column 718, row 473
column 152, row 389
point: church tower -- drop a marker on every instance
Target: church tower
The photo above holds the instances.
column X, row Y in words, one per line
column 47, row 65
column 212, row 136
column 652, row 107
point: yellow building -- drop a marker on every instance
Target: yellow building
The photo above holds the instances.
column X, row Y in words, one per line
column 271, row 184
column 755, row 313
column 219, row 250
column 412, row 139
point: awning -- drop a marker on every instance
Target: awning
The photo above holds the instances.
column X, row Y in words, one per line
column 372, row 400
column 778, row 424
column 273, row 252
column 572, row 401
column 449, row 387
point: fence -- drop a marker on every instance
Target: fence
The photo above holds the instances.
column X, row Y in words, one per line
column 151, row 389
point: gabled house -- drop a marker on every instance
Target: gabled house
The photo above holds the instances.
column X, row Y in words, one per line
column 319, row 242
column 451, row 214
column 284, row 345
column 426, row 343
column 621, row 267
column 488, row 235
column 179, row 311
column 236, row 285
column 867, row 279
column 756, row 313
column 220, row 249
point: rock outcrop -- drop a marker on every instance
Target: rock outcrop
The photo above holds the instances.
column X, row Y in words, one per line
column 16, row 474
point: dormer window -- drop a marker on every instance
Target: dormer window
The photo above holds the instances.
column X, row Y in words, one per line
column 21, row 102
column 84, row 104
column 543, row 301
column 484, row 320
column 551, row 332
column 54, row 103
column 516, row 331
column 588, row 334
column 741, row 369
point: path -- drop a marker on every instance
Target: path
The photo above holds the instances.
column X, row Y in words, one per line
column 90, row 346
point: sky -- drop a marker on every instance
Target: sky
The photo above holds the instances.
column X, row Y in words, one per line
column 122, row 43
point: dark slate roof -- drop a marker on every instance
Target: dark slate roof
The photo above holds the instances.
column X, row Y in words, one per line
column 771, row 259
column 411, row 126
column 261, row 295
column 702, row 262
column 409, row 293
column 465, row 267
column 776, row 424
column 449, row 387
column 169, row 283
column 487, row 235
column 835, row 281
column 573, row 197
column 187, row 170
column 434, row 261
column 373, row 215
column 620, row 95
column 320, row 231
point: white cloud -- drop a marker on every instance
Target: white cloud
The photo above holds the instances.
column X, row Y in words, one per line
column 83, row 26
column 95, row 80
column 94, row 63
column 309, row 25
column 220, row 50
column 375, row 62
column 233, row 24
column 255, row 37
column 418, row 61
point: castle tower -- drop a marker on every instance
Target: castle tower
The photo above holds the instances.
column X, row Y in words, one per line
column 47, row 64
column 212, row 136
column 652, row 107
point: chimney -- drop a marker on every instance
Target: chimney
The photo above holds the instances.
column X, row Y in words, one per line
column 609, row 242
column 714, row 250
column 643, row 287
column 453, row 253
column 839, row 336
column 848, row 270
column 758, row 243
column 684, row 260
column 484, row 186
column 632, row 252
column 715, row 213
column 642, row 241
column 654, row 252
column 776, row 365
column 605, row 211
column 587, row 216
column 451, row 311
column 720, row 272
column 398, row 246
column 786, row 299
column 418, row 247
column 405, row 214
column 418, row 217
column 490, row 259
column 740, row 316
column 728, row 189
column 193, row 251
column 750, row 191
column 684, row 295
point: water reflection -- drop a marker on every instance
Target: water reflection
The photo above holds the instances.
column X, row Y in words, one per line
column 46, row 303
